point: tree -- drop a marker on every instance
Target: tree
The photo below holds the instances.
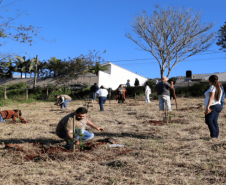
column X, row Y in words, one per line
column 67, row 70
column 96, row 68
column 171, row 35
column 221, row 35
column 24, row 66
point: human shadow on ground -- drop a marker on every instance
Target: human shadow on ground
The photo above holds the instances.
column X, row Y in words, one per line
column 125, row 134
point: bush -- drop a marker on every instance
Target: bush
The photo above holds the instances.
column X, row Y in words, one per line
column 195, row 90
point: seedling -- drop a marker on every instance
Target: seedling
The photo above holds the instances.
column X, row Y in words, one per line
column 80, row 134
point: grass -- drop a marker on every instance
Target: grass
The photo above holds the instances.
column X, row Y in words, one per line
column 170, row 154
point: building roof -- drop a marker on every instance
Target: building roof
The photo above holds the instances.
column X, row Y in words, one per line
column 109, row 63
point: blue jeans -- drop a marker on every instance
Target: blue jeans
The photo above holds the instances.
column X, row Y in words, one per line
column 101, row 102
column 211, row 120
column 1, row 118
column 92, row 96
column 87, row 135
column 64, row 104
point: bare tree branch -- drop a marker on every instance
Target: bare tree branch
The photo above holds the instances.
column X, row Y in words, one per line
column 171, row 35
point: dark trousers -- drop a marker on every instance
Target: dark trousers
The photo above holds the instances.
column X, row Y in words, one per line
column 101, row 102
column 211, row 120
column 120, row 98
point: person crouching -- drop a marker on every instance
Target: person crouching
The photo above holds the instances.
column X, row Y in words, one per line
column 64, row 100
column 64, row 128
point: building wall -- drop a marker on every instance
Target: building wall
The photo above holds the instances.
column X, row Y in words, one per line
column 221, row 77
column 104, row 79
column 30, row 81
column 120, row 76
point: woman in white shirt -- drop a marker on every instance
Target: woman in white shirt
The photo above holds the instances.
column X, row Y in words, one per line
column 213, row 105
column 102, row 95
column 147, row 92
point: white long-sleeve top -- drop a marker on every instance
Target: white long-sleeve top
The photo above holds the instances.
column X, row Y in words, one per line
column 147, row 89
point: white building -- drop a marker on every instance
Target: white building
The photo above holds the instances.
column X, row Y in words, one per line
column 221, row 77
column 117, row 75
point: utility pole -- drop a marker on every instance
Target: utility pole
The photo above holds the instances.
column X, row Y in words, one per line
column 36, row 66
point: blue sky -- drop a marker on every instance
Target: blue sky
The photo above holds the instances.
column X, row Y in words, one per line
column 82, row 25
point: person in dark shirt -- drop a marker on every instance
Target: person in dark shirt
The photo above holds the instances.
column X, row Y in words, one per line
column 163, row 90
column 94, row 88
column 137, row 83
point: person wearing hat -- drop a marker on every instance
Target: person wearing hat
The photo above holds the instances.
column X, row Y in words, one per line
column 164, row 93
column 102, row 95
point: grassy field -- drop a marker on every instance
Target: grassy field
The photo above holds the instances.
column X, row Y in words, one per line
column 175, row 153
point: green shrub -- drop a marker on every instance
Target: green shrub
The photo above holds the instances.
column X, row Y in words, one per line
column 194, row 90
column 155, row 95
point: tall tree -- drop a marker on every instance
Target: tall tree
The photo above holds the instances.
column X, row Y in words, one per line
column 171, row 35
column 221, row 35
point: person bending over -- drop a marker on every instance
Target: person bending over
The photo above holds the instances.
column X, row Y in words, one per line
column 64, row 128
column 64, row 100
column 164, row 93
column 8, row 114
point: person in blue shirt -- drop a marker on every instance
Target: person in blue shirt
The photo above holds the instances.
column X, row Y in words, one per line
column 128, row 83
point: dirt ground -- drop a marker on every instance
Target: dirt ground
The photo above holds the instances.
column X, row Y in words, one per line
column 179, row 152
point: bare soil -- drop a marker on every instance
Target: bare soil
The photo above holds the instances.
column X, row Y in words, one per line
column 154, row 152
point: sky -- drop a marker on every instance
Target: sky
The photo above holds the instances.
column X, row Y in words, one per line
column 80, row 26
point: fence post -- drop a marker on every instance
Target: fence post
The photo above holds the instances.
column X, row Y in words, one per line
column 26, row 94
column 47, row 94
column 5, row 93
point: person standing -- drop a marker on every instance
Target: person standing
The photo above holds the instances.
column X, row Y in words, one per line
column 102, row 95
column 147, row 92
column 94, row 88
column 164, row 93
column 65, row 99
column 128, row 83
column 121, row 94
column 214, row 101
column 137, row 83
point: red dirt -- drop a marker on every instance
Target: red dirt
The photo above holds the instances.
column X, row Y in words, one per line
column 38, row 150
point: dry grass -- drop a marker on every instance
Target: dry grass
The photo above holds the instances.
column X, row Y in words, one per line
column 175, row 153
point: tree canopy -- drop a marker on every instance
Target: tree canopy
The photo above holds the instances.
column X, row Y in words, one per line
column 221, row 35
column 171, row 35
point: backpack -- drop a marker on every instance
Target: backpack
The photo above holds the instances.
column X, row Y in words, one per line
column 223, row 96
